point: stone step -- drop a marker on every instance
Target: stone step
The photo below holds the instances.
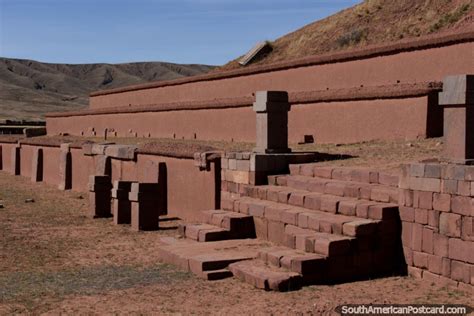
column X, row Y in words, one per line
column 362, row 175
column 330, row 203
column 203, row 232
column 342, row 188
column 238, row 225
column 301, row 262
column 263, row 276
column 325, row 244
column 208, row 260
column 318, row 221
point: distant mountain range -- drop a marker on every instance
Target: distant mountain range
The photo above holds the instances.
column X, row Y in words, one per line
column 29, row 89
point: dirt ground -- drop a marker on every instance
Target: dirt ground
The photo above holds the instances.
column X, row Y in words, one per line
column 53, row 259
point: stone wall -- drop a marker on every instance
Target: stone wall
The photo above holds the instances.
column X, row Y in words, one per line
column 437, row 213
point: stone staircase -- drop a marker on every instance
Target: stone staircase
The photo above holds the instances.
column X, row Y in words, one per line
column 315, row 225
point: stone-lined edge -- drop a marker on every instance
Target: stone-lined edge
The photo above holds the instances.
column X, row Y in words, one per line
column 425, row 42
column 166, row 148
column 337, row 95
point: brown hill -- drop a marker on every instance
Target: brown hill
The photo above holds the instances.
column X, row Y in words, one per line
column 371, row 22
column 29, row 89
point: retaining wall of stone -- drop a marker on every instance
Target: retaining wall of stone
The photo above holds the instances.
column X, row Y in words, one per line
column 437, row 213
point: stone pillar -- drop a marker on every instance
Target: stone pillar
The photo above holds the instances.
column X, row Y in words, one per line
column 1, row 157
column 65, row 168
column 122, row 207
column 100, row 196
column 145, row 201
column 272, row 121
column 37, row 165
column 15, row 161
column 457, row 98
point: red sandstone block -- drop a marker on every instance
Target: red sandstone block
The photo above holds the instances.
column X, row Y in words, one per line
column 361, row 227
column 335, row 188
column 323, row 172
column 461, row 205
column 312, row 201
column 348, row 207
column 307, row 170
column 423, row 200
column 329, row 203
column 362, row 209
column 365, row 192
column 425, row 184
column 294, row 169
column 420, row 260
column 469, row 173
column 352, row 190
column 440, row 245
column 453, row 172
column 389, row 179
column 417, row 237
column 297, row 198
column 262, row 192
column 472, row 274
column 408, row 253
column 433, row 218
column 464, row 188
column 341, row 174
column 407, row 214
column 433, row 171
column 416, row 169
column 383, row 211
column 472, row 189
column 461, row 250
column 467, row 229
column 365, row 175
column 442, row 202
column 435, row 264
column 282, row 180
column 427, row 242
column 291, row 216
column 273, row 212
column 316, row 185
column 380, row 194
column 405, row 197
column 243, row 165
column 449, row 186
column 450, row 224
column 460, row 271
column 421, row 216
column 261, row 227
column 416, row 273
column 257, row 209
column 283, row 196
column 297, row 183
column 407, row 233
column 276, row 232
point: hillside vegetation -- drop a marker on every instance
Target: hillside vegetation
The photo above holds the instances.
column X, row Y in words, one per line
column 371, row 22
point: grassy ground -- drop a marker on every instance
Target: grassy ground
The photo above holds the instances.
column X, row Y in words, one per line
column 53, row 259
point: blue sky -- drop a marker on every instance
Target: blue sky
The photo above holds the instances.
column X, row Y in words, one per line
column 181, row 31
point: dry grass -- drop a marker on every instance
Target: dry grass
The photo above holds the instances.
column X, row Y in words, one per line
column 371, row 22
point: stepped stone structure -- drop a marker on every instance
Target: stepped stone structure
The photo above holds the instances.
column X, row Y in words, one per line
column 274, row 218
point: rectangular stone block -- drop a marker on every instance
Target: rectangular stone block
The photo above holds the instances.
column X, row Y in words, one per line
column 122, row 211
column 464, row 188
column 423, row 200
column 100, row 204
column 450, row 224
column 417, row 170
column 460, row 271
column 417, row 237
column 37, row 165
column 467, row 229
column 427, row 243
column 144, row 216
column 407, row 234
column 420, row 260
column 407, row 214
column 15, row 161
column 123, row 152
column 461, row 205
column 406, row 197
column 433, row 219
column 243, row 165
column 433, row 171
column 442, row 202
column 440, row 245
column 425, row 184
column 242, row 177
column 421, row 216
column 276, row 232
column 449, row 186
column 461, row 250
column 65, row 171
